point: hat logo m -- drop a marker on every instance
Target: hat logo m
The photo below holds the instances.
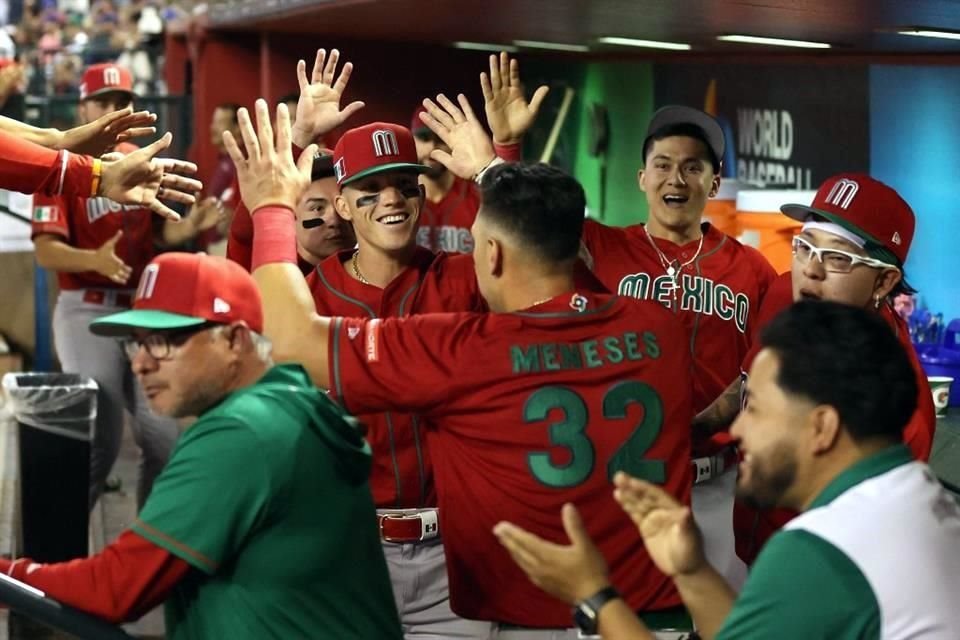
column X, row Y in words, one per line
column 340, row 170
column 842, row 193
column 148, row 281
column 111, row 76
column 385, row 143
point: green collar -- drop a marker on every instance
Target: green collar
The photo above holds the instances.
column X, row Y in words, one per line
column 870, row 467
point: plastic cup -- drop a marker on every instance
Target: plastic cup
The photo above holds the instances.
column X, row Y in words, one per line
column 940, row 386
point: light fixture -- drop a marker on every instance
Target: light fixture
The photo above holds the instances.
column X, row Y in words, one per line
column 553, row 46
column 650, row 44
column 484, row 46
column 930, row 33
column 778, row 42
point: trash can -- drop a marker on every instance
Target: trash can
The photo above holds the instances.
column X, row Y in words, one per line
column 55, row 414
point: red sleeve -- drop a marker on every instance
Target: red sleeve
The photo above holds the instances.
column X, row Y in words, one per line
column 240, row 238
column 125, row 580
column 918, row 434
column 509, row 152
column 30, row 168
column 778, row 297
column 49, row 216
column 371, row 359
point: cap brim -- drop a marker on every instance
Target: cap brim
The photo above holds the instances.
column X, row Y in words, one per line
column 801, row 212
column 678, row 115
column 396, row 166
column 106, row 90
column 126, row 322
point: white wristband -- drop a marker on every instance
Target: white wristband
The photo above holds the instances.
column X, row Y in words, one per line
column 496, row 160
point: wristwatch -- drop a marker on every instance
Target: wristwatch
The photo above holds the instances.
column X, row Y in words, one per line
column 586, row 613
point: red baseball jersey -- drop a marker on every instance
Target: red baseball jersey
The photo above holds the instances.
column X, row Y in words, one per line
column 402, row 475
column 86, row 223
column 527, row 411
column 445, row 225
column 754, row 527
column 717, row 299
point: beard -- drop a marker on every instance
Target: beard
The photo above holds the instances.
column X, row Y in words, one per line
column 770, row 477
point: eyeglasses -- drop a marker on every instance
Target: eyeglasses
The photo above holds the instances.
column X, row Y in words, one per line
column 833, row 260
column 161, row 346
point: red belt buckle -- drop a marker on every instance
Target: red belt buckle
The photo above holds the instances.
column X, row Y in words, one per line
column 407, row 528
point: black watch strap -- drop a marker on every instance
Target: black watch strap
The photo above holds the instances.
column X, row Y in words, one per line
column 586, row 614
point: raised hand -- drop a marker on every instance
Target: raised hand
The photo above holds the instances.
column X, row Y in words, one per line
column 141, row 179
column 206, row 214
column 470, row 147
column 108, row 264
column 318, row 110
column 268, row 174
column 570, row 572
column 669, row 532
column 508, row 112
column 97, row 137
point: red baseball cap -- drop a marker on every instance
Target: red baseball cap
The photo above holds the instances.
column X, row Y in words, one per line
column 103, row 78
column 416, row 124
column 374, row 148
column 866, row 207
column 180, row 290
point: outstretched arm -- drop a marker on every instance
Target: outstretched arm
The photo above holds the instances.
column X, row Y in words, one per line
column 271, row 184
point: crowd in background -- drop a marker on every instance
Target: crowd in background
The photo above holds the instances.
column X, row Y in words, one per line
column 46, row 44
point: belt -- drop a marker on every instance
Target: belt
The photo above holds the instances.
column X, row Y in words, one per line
column 108, row 297
column 710, row 467
column 408, row 527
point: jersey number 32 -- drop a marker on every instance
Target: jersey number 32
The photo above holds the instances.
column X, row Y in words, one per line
column 571, row 434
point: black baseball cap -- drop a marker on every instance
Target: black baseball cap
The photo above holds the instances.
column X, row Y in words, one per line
column 322, row 166
column 678, row 115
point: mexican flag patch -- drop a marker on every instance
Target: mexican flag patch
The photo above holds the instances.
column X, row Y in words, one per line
column 45, row 214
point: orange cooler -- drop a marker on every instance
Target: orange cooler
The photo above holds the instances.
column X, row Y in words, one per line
column 763, row 227
column 721, row 210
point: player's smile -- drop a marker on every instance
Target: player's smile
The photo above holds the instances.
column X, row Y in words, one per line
column 675, row 200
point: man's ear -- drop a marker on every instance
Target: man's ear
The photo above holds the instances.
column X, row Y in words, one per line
column 826, row 427
column 494, row 257
column 342, row 208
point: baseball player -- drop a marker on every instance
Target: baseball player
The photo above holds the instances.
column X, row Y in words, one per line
column 529, row 407
column 320, row 231
column 451, row 201
column 708, row 280
column 827, row 400
column 387, row 274
column 261, row 524
column 96, row 246
column 852, row 248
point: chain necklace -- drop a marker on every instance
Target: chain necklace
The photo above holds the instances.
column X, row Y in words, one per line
column 356, row 269
column 673, row 272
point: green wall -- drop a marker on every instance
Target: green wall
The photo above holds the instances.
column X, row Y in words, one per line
column 626, row 90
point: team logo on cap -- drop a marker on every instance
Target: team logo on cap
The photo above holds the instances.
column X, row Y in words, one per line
column 148, row 281
column 842, row 193
column 111, row 76
column 340, row 169
column 385, row 143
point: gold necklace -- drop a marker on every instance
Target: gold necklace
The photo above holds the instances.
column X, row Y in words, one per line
column 356, row 269
column 672, row 272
